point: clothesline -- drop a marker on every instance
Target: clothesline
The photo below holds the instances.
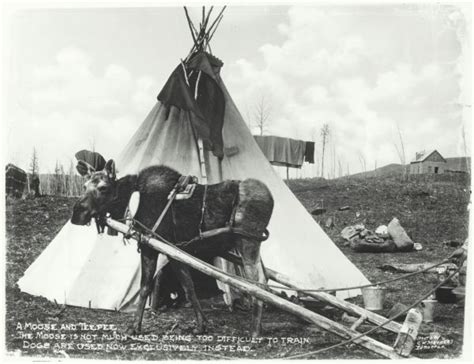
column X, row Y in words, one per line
column 286, row 152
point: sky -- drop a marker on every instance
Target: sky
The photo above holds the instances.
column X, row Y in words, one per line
column 377, row 75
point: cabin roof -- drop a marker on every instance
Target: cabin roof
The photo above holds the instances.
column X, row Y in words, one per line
column 422, row 156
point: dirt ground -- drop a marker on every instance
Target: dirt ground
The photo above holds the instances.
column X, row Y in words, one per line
column 432, row 211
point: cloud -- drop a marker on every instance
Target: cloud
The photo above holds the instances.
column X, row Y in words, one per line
column 363, row 71
column 70, row 105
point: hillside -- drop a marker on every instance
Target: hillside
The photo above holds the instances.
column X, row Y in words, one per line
column 458, row 164
column 432, row 211
column 390, row 170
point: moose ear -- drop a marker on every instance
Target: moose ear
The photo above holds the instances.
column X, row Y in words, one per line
column 110, row 168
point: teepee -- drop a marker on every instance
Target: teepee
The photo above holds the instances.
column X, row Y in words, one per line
column 82, row 268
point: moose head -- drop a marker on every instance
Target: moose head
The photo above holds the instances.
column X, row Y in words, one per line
column 99, row 193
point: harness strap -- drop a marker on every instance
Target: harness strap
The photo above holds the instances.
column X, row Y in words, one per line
column 165, row 210
column 178, row 187
column 227, row 229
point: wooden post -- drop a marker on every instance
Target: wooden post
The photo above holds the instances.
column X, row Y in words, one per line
column 261, row 294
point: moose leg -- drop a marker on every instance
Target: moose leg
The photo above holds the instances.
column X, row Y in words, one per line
column 156, row 299
column 184, row 276
column 250, row 252
column 148, row 259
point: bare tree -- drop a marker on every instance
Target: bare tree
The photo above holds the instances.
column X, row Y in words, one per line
column 400, row 148
column 34, row 165
column 56, row 190
column 362, row 161
column 262, row 114
column 333, row 154
column 72, row 191
column 33, row 179
column 324, row 135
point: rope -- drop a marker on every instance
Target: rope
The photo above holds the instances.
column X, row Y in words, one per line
column 416, row 303
column 381, row 283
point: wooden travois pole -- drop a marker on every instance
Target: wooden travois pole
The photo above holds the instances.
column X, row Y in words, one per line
column 253, row 290
column 336, row 302
column 325, row 297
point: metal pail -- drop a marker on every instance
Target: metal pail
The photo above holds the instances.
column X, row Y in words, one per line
column 428, row 308
column 374, row 298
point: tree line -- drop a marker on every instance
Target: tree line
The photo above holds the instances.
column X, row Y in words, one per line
column 61, row 182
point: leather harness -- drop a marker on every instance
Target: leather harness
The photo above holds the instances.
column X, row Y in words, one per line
column 183, row 186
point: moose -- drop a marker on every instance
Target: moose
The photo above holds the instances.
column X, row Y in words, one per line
column 247, row 205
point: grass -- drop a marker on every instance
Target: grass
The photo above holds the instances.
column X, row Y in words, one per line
column 432, row 211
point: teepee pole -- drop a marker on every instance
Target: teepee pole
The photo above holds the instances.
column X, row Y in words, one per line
column 190, row 25
column 207, row 17
column 216, row 20
column 212, row 34
column 261, row 294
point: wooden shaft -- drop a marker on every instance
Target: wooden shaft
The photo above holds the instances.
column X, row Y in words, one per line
column 337, row 302
column 242, row 285
column 325, row 297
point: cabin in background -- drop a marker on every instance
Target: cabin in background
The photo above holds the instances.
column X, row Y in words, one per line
column 431, row 162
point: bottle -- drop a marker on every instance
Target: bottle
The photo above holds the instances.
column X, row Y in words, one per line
column 406, row 338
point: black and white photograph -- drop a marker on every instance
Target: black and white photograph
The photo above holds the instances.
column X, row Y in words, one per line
column 235, row 181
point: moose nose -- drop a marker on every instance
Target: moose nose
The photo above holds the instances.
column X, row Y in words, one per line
column 80, row 214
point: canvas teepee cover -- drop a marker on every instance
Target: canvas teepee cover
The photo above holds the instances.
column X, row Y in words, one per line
column 84, row 269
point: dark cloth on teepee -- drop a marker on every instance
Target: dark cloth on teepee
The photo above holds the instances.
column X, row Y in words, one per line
column 207, row 111
column 309, row 152
column 87, row 159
